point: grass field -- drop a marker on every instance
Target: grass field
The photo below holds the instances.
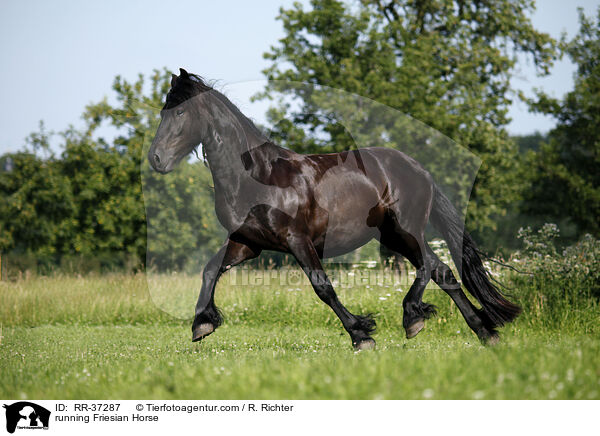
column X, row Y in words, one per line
column 104, row 337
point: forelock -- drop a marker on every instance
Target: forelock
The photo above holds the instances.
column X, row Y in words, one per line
column 184, row 89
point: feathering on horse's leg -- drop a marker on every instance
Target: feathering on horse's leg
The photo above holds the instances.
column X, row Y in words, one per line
column 208, row 316
column 358, row 327
column 443, row 276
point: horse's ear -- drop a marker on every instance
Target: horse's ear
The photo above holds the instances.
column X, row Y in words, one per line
column 183, row 73
column 173, row 80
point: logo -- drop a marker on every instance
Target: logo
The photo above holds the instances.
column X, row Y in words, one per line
column 26, row 415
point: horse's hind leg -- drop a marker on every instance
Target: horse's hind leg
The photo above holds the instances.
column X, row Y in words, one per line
column 358, row 327
column 414, row 248
column 207, row 317
column 443, row 276
column 397, row 260
column 415, row 310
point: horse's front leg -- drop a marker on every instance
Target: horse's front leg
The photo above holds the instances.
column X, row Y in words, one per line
column 207, row 317
column 359, row 327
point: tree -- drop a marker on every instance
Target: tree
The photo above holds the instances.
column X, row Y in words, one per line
column 95, row 198
column 446, row 63
column 37, row 204
column 532, row 141
column 566, row 172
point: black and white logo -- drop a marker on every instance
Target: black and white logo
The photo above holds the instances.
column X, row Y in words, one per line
column 26, row 415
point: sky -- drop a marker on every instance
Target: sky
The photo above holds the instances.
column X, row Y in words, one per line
column 59, row 56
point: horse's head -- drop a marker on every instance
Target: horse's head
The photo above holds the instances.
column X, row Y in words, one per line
column 182, row 125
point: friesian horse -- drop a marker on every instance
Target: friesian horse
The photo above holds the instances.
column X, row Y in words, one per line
column 320, row 205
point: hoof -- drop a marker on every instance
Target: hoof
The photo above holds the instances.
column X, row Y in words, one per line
column 202, row 331
column 366, row 344
column 414, row 329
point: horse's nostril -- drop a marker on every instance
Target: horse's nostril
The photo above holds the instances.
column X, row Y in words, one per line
column 157, row 159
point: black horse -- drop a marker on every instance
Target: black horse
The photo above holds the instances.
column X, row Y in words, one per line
column 320, row 205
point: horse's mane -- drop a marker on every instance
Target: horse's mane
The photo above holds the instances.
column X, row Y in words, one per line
column 185, row 87
column 189, row 85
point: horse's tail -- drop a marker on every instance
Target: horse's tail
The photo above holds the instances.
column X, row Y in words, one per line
column 496, row 309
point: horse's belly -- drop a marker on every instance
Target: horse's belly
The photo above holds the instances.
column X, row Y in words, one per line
column 339, row 243
column 353, row 211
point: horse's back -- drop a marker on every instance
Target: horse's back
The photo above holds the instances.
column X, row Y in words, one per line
column 358, row 189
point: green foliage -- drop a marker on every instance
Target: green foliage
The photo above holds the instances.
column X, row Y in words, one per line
column 559, row 282
column 36, row 206
column 446, row 63
column 565, row 174
column 183, row 232
column 541, row 243
column 88, row 202
column 532, row 142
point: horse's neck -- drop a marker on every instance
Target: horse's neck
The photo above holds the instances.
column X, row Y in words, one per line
column 225, row 144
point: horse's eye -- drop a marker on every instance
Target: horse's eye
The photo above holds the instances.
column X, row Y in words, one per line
column 179, row 112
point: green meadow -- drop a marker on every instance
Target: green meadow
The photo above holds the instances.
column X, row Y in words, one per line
column 128, row 336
